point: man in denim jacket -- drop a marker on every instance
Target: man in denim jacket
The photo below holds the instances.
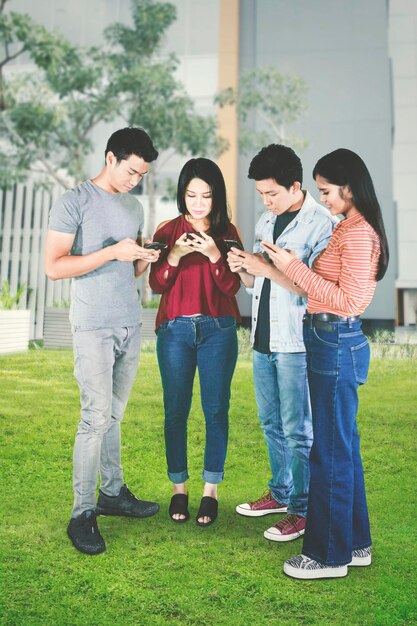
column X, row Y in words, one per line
column 295, row 221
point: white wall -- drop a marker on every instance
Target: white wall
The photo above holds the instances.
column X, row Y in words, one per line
column 403, row 50
column 340, row 49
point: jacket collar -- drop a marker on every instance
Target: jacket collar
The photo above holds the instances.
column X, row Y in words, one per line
column 307, row 212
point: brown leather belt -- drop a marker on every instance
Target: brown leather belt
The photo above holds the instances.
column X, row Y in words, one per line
column 325, row 321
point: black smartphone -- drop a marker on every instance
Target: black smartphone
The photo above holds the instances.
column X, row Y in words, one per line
column 232, row 243
column 266, row 256
column 192, row 236
column 155, row 245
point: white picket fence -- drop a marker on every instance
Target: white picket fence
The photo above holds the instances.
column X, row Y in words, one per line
column 23, row 227
column 24, row 212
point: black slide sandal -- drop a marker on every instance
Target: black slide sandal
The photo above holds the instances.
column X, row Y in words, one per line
column 179, row 506
column 208, row 508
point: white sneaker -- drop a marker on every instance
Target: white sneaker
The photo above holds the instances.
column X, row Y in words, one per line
column 301, row 566
column 361, row 558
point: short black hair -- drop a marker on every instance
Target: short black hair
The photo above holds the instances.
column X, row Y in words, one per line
column 278, row 162
column 131, row 140
column 206, row 170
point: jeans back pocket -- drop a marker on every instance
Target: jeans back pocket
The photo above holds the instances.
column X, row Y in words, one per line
column 323, row 352
column 361, row 355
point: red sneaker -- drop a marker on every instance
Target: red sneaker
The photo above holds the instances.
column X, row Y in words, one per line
column 290, row 527
column 262, row 506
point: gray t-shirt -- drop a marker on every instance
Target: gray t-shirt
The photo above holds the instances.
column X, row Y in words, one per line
column 106, row 297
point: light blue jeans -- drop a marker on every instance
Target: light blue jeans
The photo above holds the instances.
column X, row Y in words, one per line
column 105, row 365
column 284, row 411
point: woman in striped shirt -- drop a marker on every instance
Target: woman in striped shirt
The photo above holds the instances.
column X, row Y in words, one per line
column 339, row 287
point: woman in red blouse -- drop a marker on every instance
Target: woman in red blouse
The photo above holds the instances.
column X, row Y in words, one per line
column 196, row 328
column 339, row 287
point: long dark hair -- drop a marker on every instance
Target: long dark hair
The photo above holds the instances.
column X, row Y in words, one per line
column 343, row 167
column 208, row 171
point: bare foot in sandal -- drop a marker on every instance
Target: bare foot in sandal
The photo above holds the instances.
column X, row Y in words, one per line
column 178, row 507
column 208, row 506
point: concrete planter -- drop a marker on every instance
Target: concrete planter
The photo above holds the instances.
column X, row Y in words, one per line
column 57, row 328
column 14, row 331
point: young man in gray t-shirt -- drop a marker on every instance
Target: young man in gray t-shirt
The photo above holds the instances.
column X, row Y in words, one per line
column 92, row 239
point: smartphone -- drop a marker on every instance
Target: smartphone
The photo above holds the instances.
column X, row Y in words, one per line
column 155, row 245
column 232, row 243
column 192, row 236
column 266, row 256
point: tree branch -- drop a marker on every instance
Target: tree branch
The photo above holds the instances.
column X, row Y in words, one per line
column 167, row 158
column 2, row 3
column 11, row 57
column 54, row 174
column 270, row 123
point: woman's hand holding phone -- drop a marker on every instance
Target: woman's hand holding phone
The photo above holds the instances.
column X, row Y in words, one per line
column 195, row 242
column 201, row 242
column 182, row 247
column 279, row 256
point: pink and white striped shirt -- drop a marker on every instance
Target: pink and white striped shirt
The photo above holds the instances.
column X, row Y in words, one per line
column 343, row 277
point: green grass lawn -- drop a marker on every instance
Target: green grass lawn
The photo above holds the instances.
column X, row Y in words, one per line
column 156, row 572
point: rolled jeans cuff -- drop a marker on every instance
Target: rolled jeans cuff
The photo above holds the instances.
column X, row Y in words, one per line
column 291, row 511
column 178, row 477
column 212, row 477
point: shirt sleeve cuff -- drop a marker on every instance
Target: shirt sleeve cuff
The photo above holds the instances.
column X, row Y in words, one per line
column 295, row 270
column 219, row 263
column 166, row 267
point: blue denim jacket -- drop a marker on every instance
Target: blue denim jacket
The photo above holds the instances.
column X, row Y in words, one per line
column 308, row 234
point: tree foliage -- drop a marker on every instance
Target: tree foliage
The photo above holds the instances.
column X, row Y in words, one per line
column 46, row 117
column 267, row 102
column 150, row 21
column 147, row 86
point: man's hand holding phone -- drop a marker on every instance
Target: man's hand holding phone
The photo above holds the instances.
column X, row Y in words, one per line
column 150, row 250
column 232, row 243
column 256, row 264
column 234, row 257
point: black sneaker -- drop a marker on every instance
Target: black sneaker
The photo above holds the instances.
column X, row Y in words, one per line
column 125, row 504
column 84, row 533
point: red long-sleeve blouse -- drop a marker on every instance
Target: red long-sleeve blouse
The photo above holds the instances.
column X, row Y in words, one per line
column 196, row 285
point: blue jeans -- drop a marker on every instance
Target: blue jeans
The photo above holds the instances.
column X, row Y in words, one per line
column 183, row 344
column 284, row 412
column 105, row 366
column 337, row 521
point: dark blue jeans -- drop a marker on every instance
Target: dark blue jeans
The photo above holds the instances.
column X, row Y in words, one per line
column 183, row 344
column 337, row 516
